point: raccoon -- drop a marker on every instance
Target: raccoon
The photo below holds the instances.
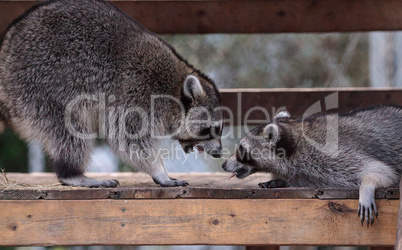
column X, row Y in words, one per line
column 72, row 71
column 359, row 149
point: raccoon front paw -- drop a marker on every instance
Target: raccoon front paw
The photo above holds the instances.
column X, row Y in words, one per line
column 278, row 183
column 366, row 211
column 166, row 181
column 173, row 183
column 83, row 181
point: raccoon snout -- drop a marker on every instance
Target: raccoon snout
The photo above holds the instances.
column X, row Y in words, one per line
column 188, row 149
column 224, row 166
column 242, row 172
column 213, row 148
column 217, row 152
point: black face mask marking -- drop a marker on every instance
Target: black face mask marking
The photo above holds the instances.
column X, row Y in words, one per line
column 243, row 156
column 210, row 133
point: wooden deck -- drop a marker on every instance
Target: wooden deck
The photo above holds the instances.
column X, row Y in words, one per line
column 213, row 210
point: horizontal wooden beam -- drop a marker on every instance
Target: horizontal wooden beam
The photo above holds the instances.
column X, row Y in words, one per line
column 44, row 186
column 256, row 106
column 194, row 221
column 213, row 210
column 248, row 16
column 190, row 192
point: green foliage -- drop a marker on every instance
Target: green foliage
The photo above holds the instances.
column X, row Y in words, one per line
column 13, row 153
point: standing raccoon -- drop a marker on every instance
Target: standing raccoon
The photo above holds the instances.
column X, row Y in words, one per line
column 75, row 70
column 360, row 149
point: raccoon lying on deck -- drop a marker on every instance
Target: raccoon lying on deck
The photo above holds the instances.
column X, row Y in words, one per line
column 360, row 149
column 75, row 70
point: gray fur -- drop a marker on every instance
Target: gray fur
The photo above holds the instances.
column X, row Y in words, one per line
column 65, row 49
column 369, row 152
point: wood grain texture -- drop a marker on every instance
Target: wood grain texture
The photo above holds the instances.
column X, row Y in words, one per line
column 262, row 247
column 194, row 221
column 398, row 241
column 248, row 16
column 40, row 186
column 266, row 102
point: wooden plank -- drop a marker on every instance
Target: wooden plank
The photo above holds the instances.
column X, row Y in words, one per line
column 194, row 221
column 258, row 106
column 202, row 186
column 249, row 16
column 132, row 192
column 262, row 247
column 142, row 180
column 398, row 241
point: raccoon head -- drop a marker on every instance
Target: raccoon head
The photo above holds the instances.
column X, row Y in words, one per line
column 203, row 126
column 263, row 149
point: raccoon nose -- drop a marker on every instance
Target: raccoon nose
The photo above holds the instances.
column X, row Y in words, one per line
column 217, row 153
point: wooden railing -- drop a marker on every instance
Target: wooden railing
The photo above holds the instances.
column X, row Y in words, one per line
column 211, row 211
column 248, row 16
column 243, row 103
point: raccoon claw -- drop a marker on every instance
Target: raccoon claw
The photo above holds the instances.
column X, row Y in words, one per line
column 83, row 181
column 366, row 213
column 278, row 183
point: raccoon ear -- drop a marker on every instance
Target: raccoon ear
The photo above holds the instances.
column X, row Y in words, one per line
column 271, row 134
column 282, row 114
column 192, row 88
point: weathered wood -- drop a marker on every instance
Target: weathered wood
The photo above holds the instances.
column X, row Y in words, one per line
column 193, row 221
column 249, row 16
column 132, row 192
column 205, row 179
column 297, row 101
column 140, row 186
column 398, row 241
column 262, row 247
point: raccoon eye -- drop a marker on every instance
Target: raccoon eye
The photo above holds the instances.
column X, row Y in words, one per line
column 242, row 155
column 210, row 132
column 205, row 132
column 217, row 131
